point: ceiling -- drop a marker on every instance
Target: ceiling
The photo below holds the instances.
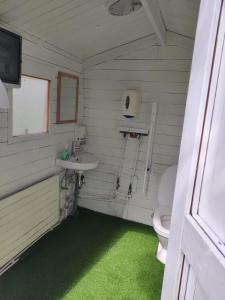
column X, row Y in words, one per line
column 84, row 27
column 180, row 16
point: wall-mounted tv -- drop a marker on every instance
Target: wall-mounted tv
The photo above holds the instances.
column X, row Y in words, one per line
column 10, row 57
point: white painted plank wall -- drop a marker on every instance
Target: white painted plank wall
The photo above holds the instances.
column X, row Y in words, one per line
column 25, row 162
column 161, row 74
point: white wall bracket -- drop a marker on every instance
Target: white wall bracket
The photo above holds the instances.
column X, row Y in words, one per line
column 138, row 131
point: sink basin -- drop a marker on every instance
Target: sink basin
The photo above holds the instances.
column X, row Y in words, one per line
column 82, row 162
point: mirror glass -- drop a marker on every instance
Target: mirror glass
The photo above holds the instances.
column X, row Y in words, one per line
column 67, row 98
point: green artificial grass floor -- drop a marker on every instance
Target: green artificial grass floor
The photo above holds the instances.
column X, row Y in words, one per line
column 90, row 257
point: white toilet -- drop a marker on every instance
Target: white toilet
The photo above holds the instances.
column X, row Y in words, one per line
column 162, row 215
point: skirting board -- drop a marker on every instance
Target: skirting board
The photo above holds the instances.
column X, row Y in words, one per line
column 133, row 213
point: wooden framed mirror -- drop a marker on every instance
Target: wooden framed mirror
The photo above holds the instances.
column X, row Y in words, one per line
column 67, row 98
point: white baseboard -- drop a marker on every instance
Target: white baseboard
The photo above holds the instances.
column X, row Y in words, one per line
column 130, row 212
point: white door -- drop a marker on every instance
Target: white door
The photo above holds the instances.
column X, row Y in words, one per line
column 196, row 259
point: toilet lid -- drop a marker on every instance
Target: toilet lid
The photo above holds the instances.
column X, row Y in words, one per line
column 167, row 186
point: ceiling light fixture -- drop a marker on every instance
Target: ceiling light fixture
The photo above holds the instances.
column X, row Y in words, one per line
column 123, row 7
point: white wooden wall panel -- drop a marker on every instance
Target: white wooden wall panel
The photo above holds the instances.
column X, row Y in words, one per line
column 25, row 162
column 162, row 75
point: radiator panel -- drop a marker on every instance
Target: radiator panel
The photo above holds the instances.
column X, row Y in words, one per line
column 26, row 216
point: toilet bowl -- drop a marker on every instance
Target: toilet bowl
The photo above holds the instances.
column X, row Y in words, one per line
column 162, row 214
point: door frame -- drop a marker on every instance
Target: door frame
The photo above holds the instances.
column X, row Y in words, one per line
column 201, row 73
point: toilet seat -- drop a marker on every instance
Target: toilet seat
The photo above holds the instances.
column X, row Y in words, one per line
column 161, row 222
column 162, row 215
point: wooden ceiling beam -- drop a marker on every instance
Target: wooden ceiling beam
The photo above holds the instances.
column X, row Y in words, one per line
column 153, row 13
column 118, row 51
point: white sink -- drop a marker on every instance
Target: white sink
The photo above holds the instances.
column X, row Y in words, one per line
column 84, row 161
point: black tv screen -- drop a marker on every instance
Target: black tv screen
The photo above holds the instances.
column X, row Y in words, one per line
column 10, row 57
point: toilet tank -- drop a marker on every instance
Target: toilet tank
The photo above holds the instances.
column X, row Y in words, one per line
column 167, row 187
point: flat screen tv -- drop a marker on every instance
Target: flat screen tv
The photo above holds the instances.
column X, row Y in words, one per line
column 10, row 57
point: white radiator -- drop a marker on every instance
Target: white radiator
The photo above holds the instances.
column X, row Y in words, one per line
column 26, row 216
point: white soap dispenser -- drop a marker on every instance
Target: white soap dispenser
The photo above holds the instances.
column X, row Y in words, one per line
column 131, row 103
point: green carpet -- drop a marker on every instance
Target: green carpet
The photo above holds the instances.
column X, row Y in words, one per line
column 90, row 257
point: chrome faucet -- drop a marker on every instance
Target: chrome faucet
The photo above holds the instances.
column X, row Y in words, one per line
column 75, row 147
